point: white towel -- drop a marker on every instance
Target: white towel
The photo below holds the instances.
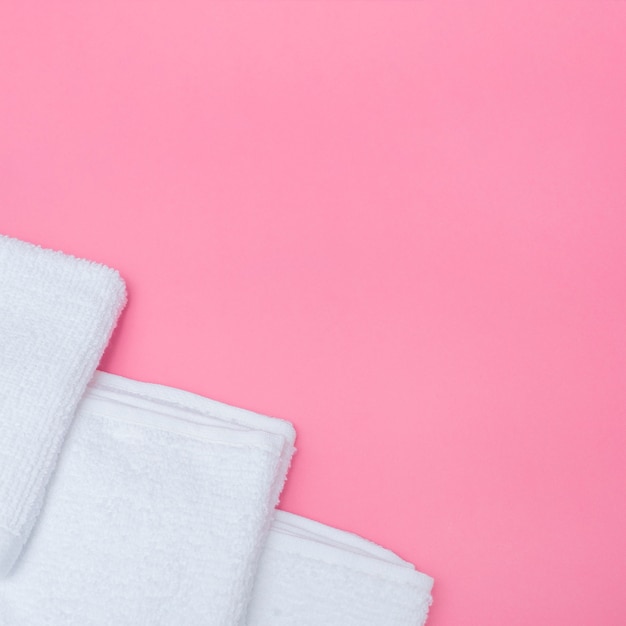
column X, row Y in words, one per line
column 314, row 575
column 156, row 514
column 57, row 313
column 162, row 500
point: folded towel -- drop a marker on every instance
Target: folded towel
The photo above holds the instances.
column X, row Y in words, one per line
column 314, row 575
column 156, row 513
column 56, row 316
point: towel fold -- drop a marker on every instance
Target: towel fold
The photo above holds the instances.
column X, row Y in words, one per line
column 57, row 313
column 156, row 514
column 314, row 575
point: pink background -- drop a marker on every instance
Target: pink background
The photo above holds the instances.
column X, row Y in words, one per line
column 400, row 225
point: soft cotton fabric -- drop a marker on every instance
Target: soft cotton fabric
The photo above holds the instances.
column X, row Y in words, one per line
column 57, row 313
column 156, row 514
column 161, row 508
column 314, row 575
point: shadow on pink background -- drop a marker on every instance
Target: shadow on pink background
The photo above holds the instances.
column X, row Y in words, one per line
column 401, row 225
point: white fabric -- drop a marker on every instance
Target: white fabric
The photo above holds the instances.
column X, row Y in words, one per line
column 161, row 509
column 156, row 514
column 314, row 575
column 57, row 313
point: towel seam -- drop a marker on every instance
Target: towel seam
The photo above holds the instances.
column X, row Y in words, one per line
column 345, row 567
column 126, row 420
column 186, row 406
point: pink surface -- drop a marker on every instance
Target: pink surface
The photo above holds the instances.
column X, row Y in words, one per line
column 400, row 225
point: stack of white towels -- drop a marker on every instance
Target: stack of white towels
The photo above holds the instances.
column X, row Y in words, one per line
column 129, row 503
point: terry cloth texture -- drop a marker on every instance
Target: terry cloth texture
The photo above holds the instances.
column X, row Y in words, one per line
column 57, row 313
column 160, row 510
column 157, row 512
column 315, row 575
